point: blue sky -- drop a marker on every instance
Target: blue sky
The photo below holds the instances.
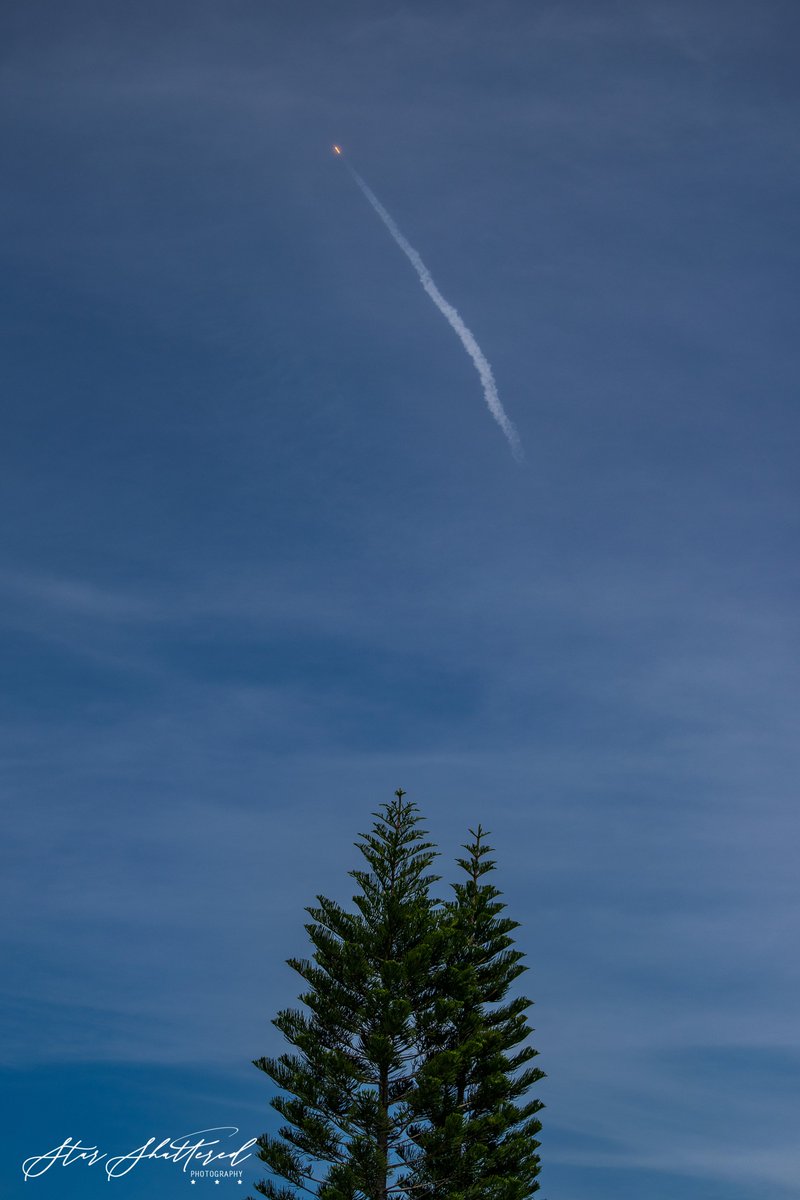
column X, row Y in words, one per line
column 266, row 556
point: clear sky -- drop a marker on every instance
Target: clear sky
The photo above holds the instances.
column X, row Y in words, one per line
column 266, row 556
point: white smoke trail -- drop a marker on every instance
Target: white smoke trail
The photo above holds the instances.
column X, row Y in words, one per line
column 451, row 315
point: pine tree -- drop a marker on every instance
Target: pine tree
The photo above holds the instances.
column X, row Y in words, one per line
column 475, row 1134
column 409, row 1065
column 350, row 1077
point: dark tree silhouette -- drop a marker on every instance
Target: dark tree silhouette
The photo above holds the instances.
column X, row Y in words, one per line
column 407, row 1068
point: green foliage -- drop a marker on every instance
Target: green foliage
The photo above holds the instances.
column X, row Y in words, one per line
column 475, row 1134
column 408, row 1064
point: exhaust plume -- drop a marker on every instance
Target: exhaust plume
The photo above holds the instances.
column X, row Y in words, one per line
column 452, row 317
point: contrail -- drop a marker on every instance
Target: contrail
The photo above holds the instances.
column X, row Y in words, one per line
column 451, row 315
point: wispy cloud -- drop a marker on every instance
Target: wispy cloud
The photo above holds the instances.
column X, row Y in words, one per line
column 68, row 597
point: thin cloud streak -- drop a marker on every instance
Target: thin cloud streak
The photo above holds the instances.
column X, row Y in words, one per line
column 453, row 318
